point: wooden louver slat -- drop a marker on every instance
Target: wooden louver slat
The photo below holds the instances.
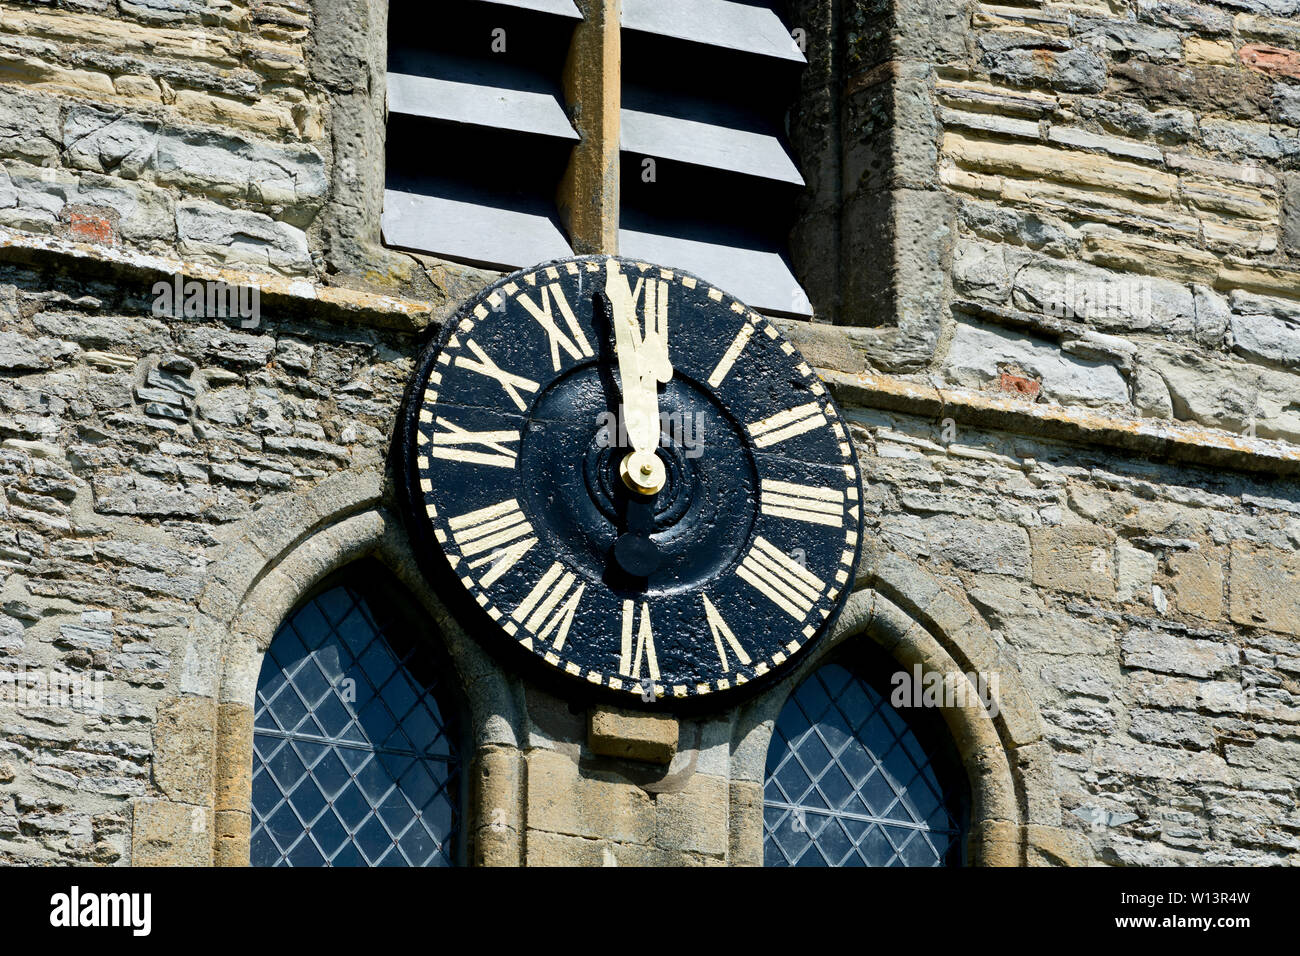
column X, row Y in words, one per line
column 759, row 278
column 477, row 129
column 478, row 95
column 746, row 27
column 485, row 235
column 707, row 144
column 560, row 8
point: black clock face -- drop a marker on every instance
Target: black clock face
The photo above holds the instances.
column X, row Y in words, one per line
column 641, row 487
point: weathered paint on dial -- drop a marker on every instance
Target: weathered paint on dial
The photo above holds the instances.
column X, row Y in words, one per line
column 514, row 498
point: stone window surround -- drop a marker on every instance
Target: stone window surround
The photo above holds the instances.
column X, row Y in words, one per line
column 298, row 540
column 896, row 311
column 348, row 60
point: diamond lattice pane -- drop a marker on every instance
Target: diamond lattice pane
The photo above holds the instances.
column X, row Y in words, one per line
column 849, row 784
column 353, row 761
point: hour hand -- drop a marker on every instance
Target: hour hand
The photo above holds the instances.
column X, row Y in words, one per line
column 654, row 344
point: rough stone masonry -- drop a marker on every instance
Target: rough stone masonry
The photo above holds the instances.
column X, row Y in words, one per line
column 1054, row 250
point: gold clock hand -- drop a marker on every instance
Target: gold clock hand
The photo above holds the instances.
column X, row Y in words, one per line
column 642, row 358
column 654, row 346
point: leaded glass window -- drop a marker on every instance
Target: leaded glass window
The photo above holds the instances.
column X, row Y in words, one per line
column 355, row 759
column 849, row 782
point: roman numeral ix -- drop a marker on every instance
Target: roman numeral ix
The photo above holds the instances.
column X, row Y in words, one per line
column 447, row 444
column 781, row 499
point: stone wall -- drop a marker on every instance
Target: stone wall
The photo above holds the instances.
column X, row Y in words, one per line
column 242, row 136
column 1150, row 610
column 1061, row 246
column 1087, row 204
column 1125, row 193
column 133, row 448
column 180, row 126
column 1089, row 211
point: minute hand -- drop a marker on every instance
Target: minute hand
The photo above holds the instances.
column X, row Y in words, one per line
column 642, row 364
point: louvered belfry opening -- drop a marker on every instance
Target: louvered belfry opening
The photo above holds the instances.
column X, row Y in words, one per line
column 479, row 136
column 708, row 183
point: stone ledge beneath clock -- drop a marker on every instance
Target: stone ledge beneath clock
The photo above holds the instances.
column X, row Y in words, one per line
column 651, row 738
column 1172, row 441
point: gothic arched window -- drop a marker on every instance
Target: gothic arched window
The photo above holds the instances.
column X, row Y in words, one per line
column 852, row 782
column 356, row 760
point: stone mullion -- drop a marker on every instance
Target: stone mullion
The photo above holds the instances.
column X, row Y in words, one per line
column 589, row 192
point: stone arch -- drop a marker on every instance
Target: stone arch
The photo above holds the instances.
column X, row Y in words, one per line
column 283, row 551
column 1015, row 810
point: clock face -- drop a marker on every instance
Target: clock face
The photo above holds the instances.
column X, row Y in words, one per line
column 641, row 487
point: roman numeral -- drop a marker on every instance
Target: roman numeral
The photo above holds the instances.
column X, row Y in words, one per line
column 787, row 424
column 448, row 444
column 781, row 579
column 500, row 530
column 576, row 347
column 551, row 605
column 781, row 499
column 629, row 660
column 485, row 366
column 721, row 633
column 729, row 357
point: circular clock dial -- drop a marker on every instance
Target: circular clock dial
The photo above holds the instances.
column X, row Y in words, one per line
column 641, row 485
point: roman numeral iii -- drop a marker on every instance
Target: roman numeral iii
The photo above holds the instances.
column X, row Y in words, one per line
column 787, row 424
column 781, row 579
column 781, row 499
column 551, row 605
column 500, row 530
